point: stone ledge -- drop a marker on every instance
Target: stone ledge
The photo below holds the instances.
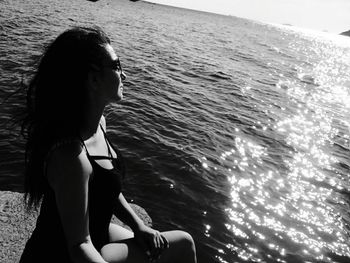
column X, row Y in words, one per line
column 16, row 225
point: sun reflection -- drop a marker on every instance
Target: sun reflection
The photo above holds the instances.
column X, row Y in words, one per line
column 207, row 229
column 282, row 176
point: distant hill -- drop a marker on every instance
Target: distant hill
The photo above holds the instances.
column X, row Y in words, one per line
column 346, row 33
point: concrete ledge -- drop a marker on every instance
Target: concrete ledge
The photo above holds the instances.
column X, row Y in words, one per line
column 16, row 225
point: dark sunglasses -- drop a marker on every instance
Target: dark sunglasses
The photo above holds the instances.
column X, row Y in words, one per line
column 115, row 65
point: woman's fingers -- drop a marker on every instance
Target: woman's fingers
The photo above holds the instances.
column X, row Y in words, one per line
column 165, row 241
column 158, row 240
column 156, row 248
column 159, row 244
column 153, row 243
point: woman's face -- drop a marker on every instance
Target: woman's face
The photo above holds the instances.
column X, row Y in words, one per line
column 112, row 77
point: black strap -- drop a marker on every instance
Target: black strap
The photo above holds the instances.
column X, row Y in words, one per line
column 102, row 157
column 107, row 142
column 110, row 145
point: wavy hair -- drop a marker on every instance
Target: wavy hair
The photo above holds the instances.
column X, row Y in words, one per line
column 56, row 98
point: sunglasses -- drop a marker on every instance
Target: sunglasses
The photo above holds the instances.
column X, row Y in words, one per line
column 115, row 65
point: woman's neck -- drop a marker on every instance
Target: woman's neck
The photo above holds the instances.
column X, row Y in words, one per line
column 93, row 114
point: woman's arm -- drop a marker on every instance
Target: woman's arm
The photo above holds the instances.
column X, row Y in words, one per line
column 122, row 208
column 68, row 173
column 126, row 214
column 152, row 242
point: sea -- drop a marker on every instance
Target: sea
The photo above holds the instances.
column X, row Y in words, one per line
column 233, row 130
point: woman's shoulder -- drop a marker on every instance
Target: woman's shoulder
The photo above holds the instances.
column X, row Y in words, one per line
column 103, row 122
column 64, row 148
column 70, row 146
column 67, row 161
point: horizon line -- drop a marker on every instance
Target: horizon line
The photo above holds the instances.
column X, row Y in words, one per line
column 249, row 19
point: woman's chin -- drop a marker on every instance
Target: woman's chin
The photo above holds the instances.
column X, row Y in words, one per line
column 120, row 94
column 115, row 99
column 119, row 97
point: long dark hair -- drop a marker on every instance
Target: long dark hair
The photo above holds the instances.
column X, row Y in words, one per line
column 56, row 98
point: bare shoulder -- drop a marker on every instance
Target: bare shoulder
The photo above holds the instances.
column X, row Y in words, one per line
column 68, row 163
column 68, row 173
column 103, row 122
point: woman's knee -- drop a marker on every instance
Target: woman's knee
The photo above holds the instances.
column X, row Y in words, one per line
column 181, row 241
column 188, row 248
column 187, row 240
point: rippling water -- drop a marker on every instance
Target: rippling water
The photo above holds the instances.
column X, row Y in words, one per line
column 235, row 131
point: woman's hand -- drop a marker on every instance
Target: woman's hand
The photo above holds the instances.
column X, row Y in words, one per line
column 151, row 241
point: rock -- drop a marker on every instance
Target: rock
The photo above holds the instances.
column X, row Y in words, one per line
column 16, row 225
column 346, row 33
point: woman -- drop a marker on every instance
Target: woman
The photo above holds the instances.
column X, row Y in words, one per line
column 73, row 168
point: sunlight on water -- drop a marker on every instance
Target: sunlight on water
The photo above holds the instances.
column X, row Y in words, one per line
column 311, row 186
column 292, row 212
column 310, row 132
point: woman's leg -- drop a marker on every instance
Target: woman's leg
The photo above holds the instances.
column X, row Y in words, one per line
column 181, row 248
column 123, row 247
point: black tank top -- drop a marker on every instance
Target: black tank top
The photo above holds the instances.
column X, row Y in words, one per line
column 47, row 243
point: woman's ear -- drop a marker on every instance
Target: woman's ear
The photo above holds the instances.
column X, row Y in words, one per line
column 93, row 79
